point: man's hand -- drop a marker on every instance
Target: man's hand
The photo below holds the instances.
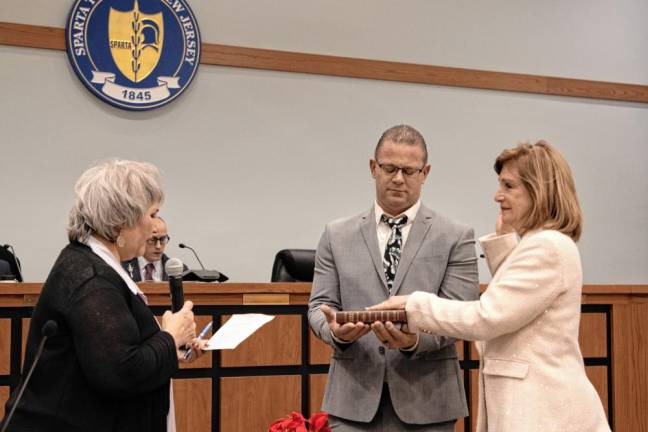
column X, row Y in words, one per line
column 392, row 337
column 348, row 332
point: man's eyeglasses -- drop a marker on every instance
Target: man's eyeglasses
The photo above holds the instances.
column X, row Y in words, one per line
column 162, row 239
column 390, row 169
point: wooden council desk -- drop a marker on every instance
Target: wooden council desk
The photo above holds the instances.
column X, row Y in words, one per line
column 282, row 367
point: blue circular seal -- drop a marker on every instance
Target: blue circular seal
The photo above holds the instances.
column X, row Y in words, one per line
column 133, row 54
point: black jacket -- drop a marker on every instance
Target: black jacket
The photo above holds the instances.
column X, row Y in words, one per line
column 109, row 366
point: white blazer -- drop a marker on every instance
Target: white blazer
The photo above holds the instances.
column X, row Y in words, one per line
column 531, row 374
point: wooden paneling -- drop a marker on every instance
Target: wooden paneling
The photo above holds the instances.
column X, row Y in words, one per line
column 4, row 395
column 317, row 386
column 32, row 36
column 459, row 426
column 630, row 360
column 592, row 335
column 192, row 400
column 5, row 345
column 253, row 403
column 459, row 347
column 320, row 353
column 266, row 299
column 596, row 89
column 474, row 354
column 25, row 332
column 474, row 398
column 224, row 55
column 598, row 377
column 276, row 343
column 26, row 294
column 272, row 397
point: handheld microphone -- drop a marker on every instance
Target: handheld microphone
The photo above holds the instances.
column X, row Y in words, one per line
column 48, row 330
column 183, row 246
column 203, row 275
column 174, row 269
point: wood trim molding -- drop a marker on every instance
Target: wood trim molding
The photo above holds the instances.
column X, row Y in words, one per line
column 32, row 36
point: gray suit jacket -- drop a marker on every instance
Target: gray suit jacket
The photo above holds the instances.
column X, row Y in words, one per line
column 438, row 257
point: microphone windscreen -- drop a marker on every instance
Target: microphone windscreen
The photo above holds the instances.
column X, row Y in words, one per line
column 49, row 328
column 182, row 245
column 174, row 267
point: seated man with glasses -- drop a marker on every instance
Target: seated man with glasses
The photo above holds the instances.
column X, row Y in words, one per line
column 150, row 266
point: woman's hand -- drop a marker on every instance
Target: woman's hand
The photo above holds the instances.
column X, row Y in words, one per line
column 502, row 228
column 392, row 303
column 197, row 350
column 180, row 325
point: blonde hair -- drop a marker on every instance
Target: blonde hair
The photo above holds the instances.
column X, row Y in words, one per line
column 546, row 176
column 110, row 195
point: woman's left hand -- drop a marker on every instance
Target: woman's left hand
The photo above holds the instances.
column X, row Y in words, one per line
column 197, row 350
column 395, row 302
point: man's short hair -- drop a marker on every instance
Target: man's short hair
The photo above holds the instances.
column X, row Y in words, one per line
column 403, row 134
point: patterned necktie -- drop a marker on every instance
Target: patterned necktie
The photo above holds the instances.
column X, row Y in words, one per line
column 393, row 249
column 148, row 271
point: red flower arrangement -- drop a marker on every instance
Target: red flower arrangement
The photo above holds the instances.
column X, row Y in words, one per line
column 296, row 422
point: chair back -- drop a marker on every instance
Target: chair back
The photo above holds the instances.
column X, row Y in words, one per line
column 294, row 265
column 13, row 263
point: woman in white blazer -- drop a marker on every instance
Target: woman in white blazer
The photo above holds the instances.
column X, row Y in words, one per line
column 532, row 376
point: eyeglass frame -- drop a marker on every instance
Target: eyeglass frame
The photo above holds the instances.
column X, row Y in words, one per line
column 152, row 241
column 401, row 169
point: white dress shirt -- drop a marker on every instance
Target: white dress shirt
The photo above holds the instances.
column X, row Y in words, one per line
column 157, row 271
column 384, row 231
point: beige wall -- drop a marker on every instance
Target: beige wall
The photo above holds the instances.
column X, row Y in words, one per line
column 256, row 161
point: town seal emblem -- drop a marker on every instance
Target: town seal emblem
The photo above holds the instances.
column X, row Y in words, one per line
column 133, row 54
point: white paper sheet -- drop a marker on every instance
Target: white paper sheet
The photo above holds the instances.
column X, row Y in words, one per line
column 236, row 330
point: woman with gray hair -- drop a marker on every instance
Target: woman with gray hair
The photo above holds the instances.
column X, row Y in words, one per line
column 109, row 366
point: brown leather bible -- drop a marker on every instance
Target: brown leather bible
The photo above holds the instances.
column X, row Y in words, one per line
column 367, row 317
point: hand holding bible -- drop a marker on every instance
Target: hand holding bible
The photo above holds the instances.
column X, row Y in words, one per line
column 393, row 337
column 347, row 332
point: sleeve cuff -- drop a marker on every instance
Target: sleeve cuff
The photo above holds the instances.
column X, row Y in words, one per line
column 497, row 247
column 338, row 340
column 413, row 347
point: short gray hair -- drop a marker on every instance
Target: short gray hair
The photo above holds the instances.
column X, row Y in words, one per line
column 403, row 134
column 110, row 195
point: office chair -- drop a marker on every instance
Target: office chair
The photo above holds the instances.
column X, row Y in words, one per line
column 12, row 261
column 293, row 265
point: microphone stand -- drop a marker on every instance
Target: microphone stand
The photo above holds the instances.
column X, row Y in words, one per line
column 183, row 246
column 47, row 331
column 203, row 275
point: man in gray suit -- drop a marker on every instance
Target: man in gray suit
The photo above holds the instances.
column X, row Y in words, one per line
column 392, row 380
